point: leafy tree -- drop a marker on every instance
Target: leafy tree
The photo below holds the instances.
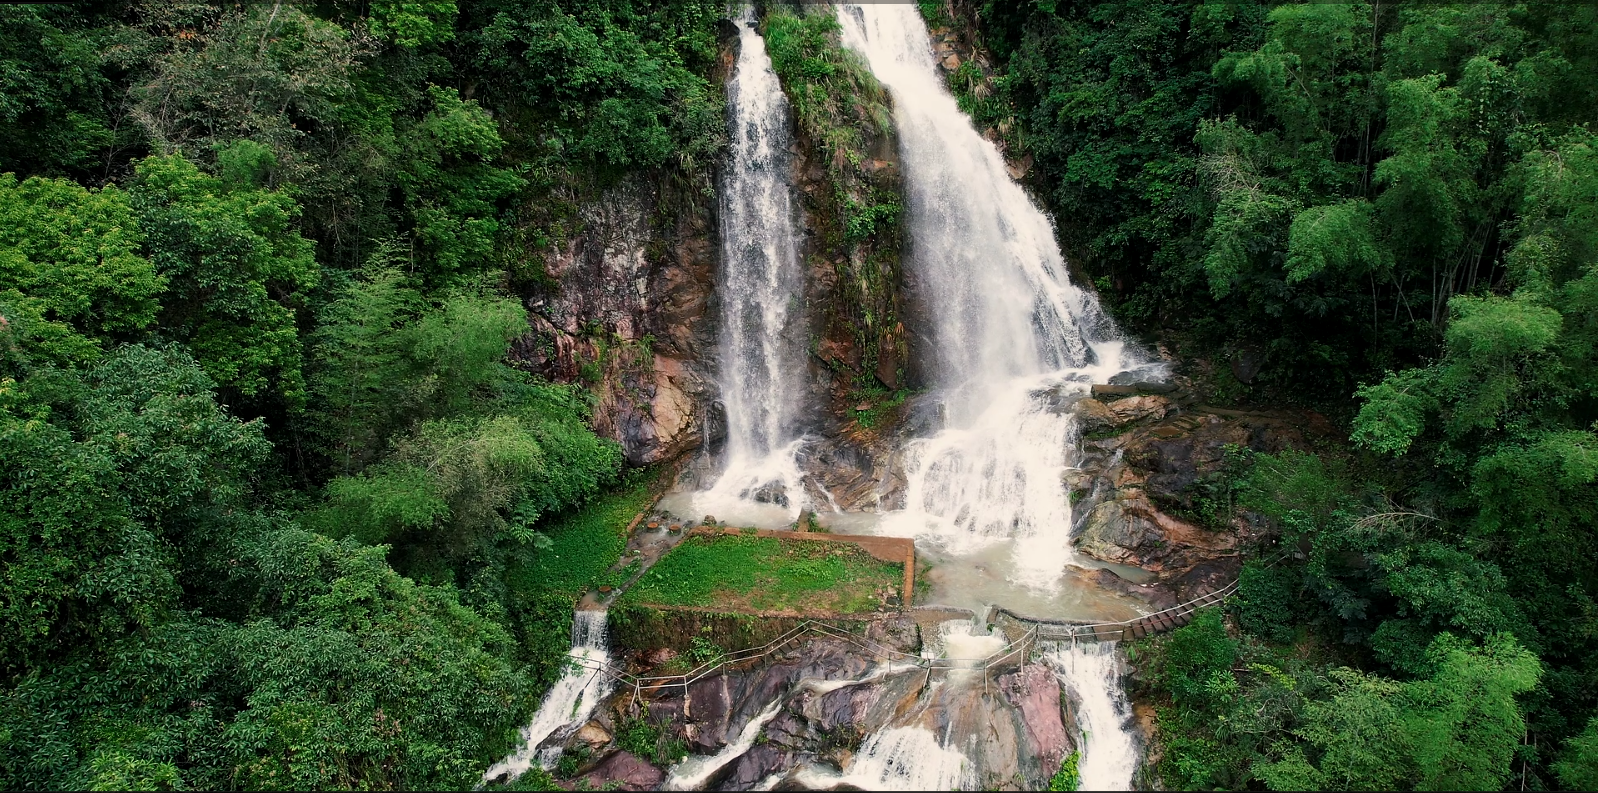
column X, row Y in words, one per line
column 413, row 24
column 451, row 190
column 53, row 91
column 489, row 452
column 102, row 472
column 1578, row 768
column 236, row 269
column 272, row 74
column 616, row 84
column 71, row 276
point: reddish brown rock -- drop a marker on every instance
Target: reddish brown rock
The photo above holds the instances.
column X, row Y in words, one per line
column 623, row 770
column 1035, row 692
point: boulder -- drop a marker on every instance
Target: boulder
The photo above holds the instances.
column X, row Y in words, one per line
column 752, row 768
column 1035, row 692
column 1129, row 529
column 709, row 704
column 1138, row 408
column 593, row 734
column 1093, row 416
column 622, row 770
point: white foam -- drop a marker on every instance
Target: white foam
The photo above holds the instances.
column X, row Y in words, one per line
column 692, row 772
column 762, row 335
column 569, row 702
column 1091, row 674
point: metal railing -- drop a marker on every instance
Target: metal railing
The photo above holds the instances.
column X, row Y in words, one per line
column 1104, row 631
column 1014, row 650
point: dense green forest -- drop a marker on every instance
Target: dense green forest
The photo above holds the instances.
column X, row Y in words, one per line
column 277, row 512
column 1391, row 208
column 274, row 510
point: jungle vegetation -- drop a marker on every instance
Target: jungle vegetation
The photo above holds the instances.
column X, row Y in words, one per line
column 276, row 511
column 1390, row 208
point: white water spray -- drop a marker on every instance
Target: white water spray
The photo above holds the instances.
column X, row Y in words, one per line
column 1091, row 673
column 1007, row 322
column 900, row 758
column 569, row 702
column 762, row 335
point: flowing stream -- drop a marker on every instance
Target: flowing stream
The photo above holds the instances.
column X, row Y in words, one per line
column 763, row 335
column 569, row 702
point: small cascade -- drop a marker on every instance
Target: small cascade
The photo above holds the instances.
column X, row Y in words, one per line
column 960, row 643
column 695, row 771
column 1091, row 674
column 569, row 702
column 763, row 333
column 907, row 758
column 1008, row 325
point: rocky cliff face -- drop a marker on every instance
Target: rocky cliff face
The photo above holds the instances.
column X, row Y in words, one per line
column 627, row 306
column 629, row 315
column 1150, row 489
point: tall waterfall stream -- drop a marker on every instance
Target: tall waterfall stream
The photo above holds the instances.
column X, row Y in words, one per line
column 1008, row 327
column 568, row 703
column 762, row 335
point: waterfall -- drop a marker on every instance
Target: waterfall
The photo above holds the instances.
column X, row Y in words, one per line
column 569, row 702
column 1007, row 323
column 762, row 334
column 694, row 771
column 1091, row 673
column 898, row 758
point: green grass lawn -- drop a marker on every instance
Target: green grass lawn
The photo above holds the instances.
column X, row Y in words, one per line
column 542, row 585
column 766, row 574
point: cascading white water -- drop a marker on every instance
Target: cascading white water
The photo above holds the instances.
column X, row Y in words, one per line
column 902, row 758
column 1091, row 673
column 1007, row 322
column 762, row 336
column 569, row 702
column 960, row 643
column 692, row 772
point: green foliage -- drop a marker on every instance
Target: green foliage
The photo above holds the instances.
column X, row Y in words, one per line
column 53, row 92
column 1068, row 777
column 650, row 741
column 105, row 473
column 318, row 237
column 616, row 85
column 451, row 188
column 843, row 113
column 1456, row 730
column 71, row 277
column 764, row 573
column 414, row 24
column 236, row 269
column 1578, row 767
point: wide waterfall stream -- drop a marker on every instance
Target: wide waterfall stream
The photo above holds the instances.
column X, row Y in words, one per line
column 1009, row 327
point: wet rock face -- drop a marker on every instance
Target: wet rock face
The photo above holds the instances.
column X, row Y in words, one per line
column 1035, row 692
column 622, row 771
column 1012, row 729
column 1136, row 491
column 627, row 316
